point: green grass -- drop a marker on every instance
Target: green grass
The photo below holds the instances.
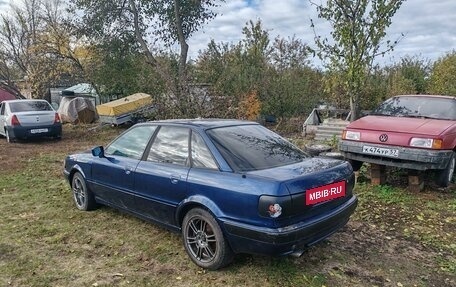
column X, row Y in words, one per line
column 429, row 218
column 394, row 236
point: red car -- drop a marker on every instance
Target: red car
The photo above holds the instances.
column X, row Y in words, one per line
column 411, row 131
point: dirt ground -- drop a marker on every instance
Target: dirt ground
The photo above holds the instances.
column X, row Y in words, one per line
column 383, row 244
column 75, row 138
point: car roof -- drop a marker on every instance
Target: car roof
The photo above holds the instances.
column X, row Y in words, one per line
column 206, row 123
column 428, row 96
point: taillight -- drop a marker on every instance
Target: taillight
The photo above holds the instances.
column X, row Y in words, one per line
column 57, row 118
column 15, row 121
column 274, row 210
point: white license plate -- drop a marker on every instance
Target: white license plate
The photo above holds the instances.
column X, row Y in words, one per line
column 38, row 131
column 381, row 151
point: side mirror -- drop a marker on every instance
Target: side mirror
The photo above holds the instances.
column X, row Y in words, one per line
column 98, row 151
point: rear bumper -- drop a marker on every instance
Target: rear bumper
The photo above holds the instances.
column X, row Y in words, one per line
column 54, row 130
column 290, row 239
column 411, row 158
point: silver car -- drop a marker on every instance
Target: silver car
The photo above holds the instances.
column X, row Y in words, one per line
column 22, row 119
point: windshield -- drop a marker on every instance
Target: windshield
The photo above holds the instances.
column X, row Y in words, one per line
column 254, row 147
column 418, row 106
column 27, row 106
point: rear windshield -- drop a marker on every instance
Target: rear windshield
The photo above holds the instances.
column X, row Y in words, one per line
column 27, row 106
column 418, row 106
column 253, row 147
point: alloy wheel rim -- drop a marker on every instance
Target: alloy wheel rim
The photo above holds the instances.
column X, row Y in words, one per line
column 78, row 191
column 201, row 240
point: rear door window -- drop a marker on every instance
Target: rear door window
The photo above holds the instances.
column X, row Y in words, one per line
column 170, row 146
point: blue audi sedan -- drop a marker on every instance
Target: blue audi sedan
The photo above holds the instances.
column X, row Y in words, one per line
column 228, row 186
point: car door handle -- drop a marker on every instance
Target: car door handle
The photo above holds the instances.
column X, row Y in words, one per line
column 128, row 169
column 175, row 179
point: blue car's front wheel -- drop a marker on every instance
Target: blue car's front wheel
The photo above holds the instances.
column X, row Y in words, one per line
column 204, row 240
column 82, row 196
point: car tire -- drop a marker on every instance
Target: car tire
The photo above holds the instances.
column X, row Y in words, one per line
column 204, row 241
column 445, row 176
column 9, row 138
column 82, row 196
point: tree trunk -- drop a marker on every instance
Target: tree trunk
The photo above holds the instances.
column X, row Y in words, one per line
column 183, row 96
column 354, row 107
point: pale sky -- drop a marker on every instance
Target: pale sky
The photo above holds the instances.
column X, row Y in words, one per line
column 429, row 26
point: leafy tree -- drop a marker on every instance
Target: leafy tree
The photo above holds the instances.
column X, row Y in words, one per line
column 443, row 75
column 293, row 87
column 376, row 88
column 335, row 90
column 409, row 76
column 236, row 70
column 249, row 106
column 116, row 69
column 358, row 28
column 8, row 74
column 276, row 72
column 152, row 24
column 18, row 36
column 36, row 46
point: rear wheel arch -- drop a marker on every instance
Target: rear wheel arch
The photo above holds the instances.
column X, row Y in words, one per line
column 185, row 209
column 197, row 202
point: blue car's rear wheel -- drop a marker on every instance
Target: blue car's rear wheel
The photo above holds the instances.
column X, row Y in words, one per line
column 204, row 240
column 82, row 196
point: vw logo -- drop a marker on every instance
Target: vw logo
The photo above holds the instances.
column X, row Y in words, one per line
column 383, row 138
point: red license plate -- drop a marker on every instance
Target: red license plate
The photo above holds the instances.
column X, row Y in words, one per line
column 325, row 192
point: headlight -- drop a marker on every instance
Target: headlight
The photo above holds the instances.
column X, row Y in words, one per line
column 351, row 135
column 426, row 143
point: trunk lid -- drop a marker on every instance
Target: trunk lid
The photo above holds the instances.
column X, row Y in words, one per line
column 36, row 118
column 306, row 175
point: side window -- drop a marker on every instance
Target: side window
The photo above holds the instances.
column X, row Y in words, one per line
column 201, row 156
column 2, row 109
column 132, row 143
column 170, row 146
